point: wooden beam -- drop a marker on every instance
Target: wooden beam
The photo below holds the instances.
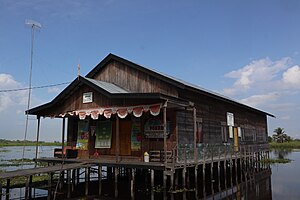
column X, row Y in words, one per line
column 37, row 141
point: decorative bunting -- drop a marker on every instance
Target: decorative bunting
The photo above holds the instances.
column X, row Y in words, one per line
column 122, row 112
column 138, row 111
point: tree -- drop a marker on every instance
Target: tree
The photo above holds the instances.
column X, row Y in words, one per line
column 280, row 135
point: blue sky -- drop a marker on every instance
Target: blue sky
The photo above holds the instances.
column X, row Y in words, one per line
column 247, row 50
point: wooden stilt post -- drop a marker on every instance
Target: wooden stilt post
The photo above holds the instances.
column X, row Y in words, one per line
column 196, row 182
column 62, row 179
column 172, row 181
column 236, row 166
column 27, row 188
column 86, row 181
column 231, row 169
column 132, row 184
column 152, row 179
column 73, row 179
column 37, row 141
column 99, row 180
column 203, row 171
column 152, row 183
column 219, row 173
column 1, row 189
column 184, row 178
column 68, row 184
column 49, row 186
column 165, row 184
column 212, row 171
column 116, row 171
column 241, row 168
column 225, row 168
column 30, row 184
column 7, row 189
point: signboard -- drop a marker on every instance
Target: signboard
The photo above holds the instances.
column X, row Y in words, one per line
column 87, row 97
column 154, row 128
column 136, row 137
column 230, row 119
column 83, row 135
column 103, row 134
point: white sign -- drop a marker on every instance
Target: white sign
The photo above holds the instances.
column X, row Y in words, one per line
column 87, row 97
column 230, row 119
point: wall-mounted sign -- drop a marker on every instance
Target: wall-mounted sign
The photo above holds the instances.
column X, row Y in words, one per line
column 87, row 97
column 230, row 119
column 154, row 128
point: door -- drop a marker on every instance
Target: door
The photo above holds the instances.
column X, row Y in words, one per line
column 125, row 137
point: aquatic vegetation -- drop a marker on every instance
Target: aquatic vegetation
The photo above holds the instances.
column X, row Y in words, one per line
column 274, row 160
column 285, row 145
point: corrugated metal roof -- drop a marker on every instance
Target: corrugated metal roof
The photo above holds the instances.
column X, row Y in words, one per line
column 109, row 87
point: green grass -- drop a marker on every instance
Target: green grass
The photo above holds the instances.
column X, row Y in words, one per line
column 285, row 145
column 4, row 143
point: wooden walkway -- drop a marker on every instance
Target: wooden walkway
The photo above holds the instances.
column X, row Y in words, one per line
column 42, row 170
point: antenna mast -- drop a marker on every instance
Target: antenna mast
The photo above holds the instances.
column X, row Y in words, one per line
column 33, row 25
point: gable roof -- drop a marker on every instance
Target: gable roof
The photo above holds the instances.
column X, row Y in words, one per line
column 169, row 79
column 108, row 89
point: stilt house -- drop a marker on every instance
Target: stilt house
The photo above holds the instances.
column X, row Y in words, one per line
column 120, row 110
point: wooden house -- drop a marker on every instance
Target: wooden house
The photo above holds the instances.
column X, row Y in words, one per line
column 121, row 110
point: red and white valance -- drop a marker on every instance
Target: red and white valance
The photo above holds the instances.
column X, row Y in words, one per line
column 122, row 112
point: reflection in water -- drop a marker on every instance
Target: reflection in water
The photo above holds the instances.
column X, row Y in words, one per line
column 282, row 153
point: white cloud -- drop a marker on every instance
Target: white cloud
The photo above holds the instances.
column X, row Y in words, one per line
column 256, row 73
column 258, row 100
column 291, row 77
column 9, row 99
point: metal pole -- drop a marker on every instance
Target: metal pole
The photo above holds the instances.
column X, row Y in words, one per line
column 29, row 89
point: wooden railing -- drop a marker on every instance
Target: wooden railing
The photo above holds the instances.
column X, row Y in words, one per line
column 189, row 154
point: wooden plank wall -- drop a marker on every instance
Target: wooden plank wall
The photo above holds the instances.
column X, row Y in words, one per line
column 134, row 80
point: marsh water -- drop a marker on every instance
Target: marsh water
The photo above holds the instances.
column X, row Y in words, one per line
column 283, row 183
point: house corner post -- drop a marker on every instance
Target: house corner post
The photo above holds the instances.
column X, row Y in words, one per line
column 165, row 132
column 37, row 140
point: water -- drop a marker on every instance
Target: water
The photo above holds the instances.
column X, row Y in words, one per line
column 284, row 182
column 286, row 177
